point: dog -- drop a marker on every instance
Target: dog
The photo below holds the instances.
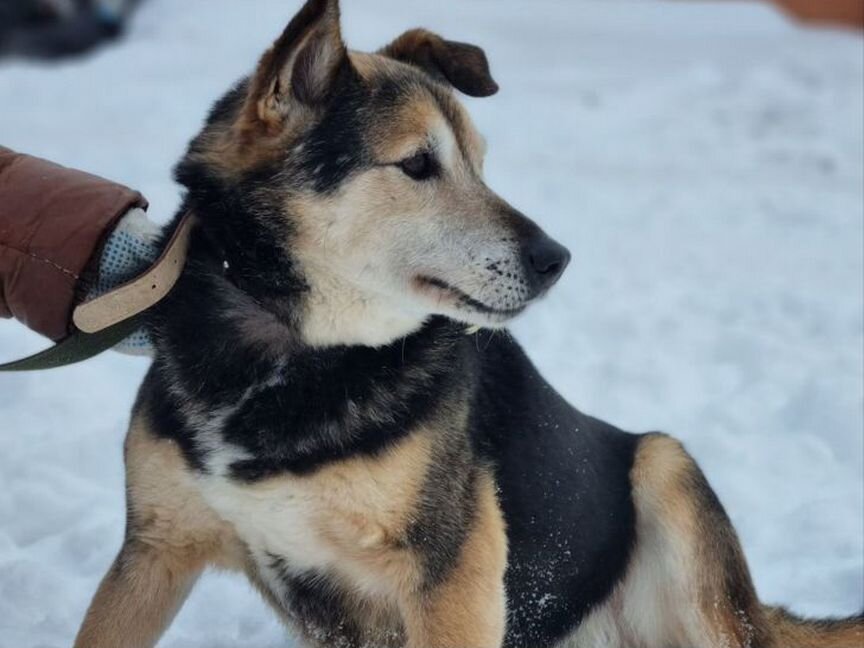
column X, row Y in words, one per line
column 336, row 409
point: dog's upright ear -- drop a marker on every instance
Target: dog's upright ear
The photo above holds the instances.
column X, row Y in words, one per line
column 299, row 71
column 463, row 66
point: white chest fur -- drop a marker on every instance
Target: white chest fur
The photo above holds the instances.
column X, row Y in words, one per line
column 348, row 519
column 279, row 519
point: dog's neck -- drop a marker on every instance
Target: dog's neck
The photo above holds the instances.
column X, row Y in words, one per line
column 231, row 356
column 335, row 312
column 277, row 303
column 323, row 308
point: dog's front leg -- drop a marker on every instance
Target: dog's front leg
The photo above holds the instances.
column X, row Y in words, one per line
column 468, row 608
column 171, row 536
column 138, row 598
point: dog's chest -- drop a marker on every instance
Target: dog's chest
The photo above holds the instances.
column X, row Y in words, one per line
column 311, row 554
column 280, row 521
column 338, row 520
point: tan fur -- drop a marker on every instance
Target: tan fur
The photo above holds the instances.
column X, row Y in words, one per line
column 657, row 603
column 790, row 633
column 414, row 118
column 138, row 598
column 405, row 131
column 371, row 66
column 674, row 594
column 363, row 248
column 468, row 610
column 162, row 492
column 687, row 584
column 359, row 512
column 701, row 550
column 171, row 536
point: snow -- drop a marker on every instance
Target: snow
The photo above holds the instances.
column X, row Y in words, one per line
column 704, row 163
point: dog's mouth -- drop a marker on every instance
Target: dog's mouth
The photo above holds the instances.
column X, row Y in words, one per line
column 444, row 291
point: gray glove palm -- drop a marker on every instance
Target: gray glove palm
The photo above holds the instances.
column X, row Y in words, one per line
column 128, row 252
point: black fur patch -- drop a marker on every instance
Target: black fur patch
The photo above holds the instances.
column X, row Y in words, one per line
column 565, row 492
column 447, row 509
column 340, row 402
column 334, row 148
column 317, row 605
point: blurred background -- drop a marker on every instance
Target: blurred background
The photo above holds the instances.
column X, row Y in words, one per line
column 51, row 29
column 704, row 161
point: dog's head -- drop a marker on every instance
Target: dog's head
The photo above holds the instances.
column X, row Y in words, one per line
column 366, row 172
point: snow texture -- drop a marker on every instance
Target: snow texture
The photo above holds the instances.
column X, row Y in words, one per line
column 702, row 161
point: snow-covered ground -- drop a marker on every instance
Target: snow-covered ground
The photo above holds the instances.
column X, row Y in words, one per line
column 702, row 161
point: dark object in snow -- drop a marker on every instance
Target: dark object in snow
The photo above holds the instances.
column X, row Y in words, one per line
column 53, row 29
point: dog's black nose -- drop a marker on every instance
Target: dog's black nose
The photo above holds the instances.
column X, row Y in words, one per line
column 545, row 261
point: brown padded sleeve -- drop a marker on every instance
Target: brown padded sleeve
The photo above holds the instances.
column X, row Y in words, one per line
column 52, row 221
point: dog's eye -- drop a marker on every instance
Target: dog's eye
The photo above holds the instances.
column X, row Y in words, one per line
column 421, row 166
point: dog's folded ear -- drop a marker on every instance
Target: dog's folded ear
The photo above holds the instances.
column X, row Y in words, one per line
column 463, row 66
column 300, row 69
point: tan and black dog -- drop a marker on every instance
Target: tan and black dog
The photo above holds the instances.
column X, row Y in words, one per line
column 317, row 417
